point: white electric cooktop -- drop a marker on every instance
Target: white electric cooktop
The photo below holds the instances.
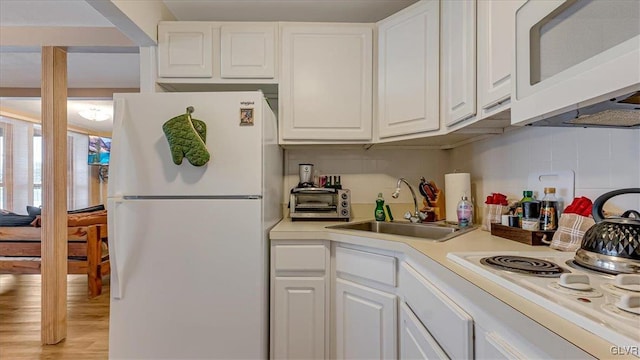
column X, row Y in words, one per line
column 606, row 305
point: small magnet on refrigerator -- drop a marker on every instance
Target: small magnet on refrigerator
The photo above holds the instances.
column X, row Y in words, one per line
column 246, row 116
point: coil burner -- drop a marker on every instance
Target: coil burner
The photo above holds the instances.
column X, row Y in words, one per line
column 524, row 265
column 601, row 304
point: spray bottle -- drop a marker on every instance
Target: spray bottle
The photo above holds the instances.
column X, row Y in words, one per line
column 465, row 212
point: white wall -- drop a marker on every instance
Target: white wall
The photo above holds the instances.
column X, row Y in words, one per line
column 602, row 159
column 368, row 172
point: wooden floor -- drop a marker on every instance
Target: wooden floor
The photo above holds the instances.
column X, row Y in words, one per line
column 87, row 320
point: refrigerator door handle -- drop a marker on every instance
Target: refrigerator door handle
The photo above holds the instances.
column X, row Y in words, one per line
column 119, row 106
column 116, row 279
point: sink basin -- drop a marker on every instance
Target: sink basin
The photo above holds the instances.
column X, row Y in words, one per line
column 424, row 231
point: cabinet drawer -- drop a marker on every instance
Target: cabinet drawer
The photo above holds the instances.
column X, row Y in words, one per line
column 380, row 268
column 447, row 322
column 300, row 257
column 415, row 340
column 490, row 345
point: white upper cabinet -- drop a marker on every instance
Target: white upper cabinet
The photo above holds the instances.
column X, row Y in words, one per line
column 440, row 67
column 496, row 46
column 458, row 65
column 217, row 52
column 185, row 49
column 325, row 91
column 247, row 51
column 408, row 71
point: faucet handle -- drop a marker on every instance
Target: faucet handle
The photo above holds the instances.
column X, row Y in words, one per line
column 412, row 218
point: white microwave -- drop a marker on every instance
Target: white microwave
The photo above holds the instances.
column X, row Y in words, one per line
column 572, row 54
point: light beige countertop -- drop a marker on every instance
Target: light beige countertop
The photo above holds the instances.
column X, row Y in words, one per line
column 477, row 240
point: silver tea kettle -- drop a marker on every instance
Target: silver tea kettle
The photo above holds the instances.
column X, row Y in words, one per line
column 612, row 245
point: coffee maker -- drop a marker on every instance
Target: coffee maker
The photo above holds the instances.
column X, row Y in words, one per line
column 305, row 172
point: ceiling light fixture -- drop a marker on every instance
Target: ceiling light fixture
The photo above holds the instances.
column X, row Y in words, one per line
column 94, row 114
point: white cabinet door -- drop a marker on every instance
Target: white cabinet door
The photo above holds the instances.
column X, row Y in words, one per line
column 326, row 82
column 185, row 49
column 415, row 341
column 408, row 71
column 447, row 322
column 247, row 51
column 491, row 346
column 496, row 47
column 458, row 65
column 365, row 322
column 299, row 321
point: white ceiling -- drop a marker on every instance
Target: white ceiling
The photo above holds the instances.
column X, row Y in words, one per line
column 21, row 67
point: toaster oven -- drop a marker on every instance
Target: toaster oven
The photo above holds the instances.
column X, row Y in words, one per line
column 320, row 204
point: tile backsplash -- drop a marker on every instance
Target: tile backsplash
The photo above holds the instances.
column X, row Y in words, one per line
column 602, row 159
column 368, row 172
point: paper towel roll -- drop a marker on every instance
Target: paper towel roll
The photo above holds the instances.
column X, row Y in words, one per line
column 455, row 185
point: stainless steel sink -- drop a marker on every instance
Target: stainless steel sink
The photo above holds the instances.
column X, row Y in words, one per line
column 424, row 231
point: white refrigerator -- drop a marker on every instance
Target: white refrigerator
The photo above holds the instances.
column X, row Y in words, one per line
column 189, row 244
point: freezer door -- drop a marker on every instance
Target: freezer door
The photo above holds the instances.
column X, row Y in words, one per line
column 141, row 162
column 192, row 275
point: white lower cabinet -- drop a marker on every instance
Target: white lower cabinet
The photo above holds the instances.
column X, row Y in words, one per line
column 300, row 323
column 299, row 300
column 449, row 324
column 365, row 322
column 491, row 346
column 415, row 341
column 365, row 304
column 370, row 303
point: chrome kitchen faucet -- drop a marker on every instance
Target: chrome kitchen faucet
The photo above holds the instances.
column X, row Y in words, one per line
column 417, row 216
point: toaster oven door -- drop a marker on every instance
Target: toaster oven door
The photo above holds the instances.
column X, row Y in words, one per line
column 315, row 203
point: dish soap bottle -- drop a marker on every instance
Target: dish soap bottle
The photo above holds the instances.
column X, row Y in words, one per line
column 379, row 212
column 465, row 212
column 549, row 210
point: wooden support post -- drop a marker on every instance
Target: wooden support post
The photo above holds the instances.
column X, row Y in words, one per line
column 94, row 258
column 54, row 193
